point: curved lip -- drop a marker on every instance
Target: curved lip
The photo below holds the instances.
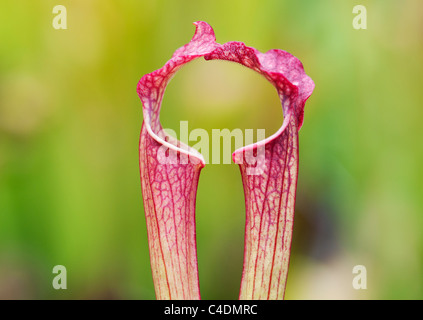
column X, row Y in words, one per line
column 263, row 142
column 190, row 151
column 203, row 29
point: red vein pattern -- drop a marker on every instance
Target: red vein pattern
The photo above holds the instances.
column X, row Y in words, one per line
column 169, row 179
column 169, row 192
column 269, row 202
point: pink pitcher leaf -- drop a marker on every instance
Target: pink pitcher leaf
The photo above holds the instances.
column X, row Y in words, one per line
column 269, row 168
column 269, row 203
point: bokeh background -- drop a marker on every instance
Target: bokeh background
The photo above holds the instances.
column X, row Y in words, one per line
column 69, row 127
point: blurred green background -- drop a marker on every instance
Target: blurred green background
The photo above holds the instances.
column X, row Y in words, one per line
column 69, row 127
